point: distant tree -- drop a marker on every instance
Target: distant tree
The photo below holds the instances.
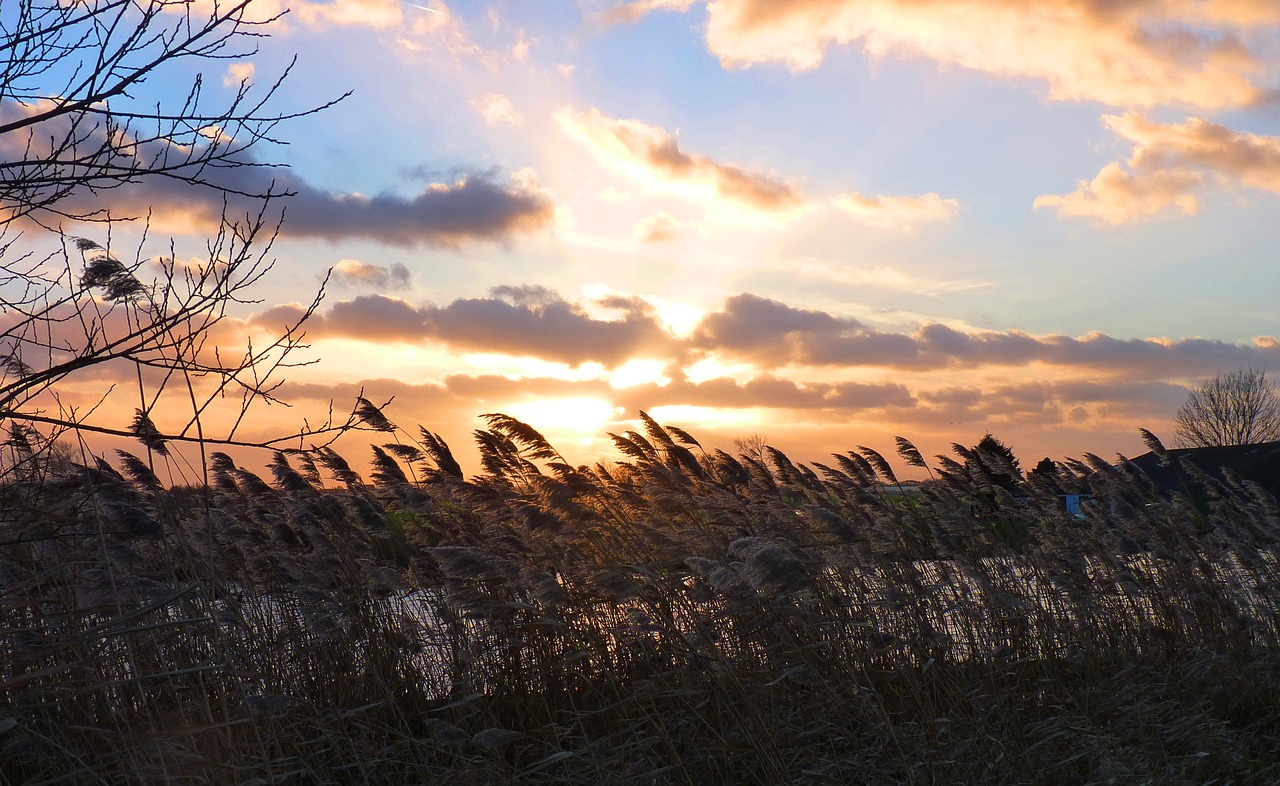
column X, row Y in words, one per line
column 1047, row 474
column 1046, row 468
column 994, row 462
column 753, row 446
column 1240, row 408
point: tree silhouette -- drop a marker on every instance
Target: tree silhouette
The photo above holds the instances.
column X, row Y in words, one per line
column 73, row 125
column 1239, row 408
column 994, row 462
column 74, row 120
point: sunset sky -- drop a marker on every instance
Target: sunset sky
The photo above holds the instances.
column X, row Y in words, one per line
column 823, row 221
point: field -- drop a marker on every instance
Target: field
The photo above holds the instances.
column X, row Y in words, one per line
column 683, row 616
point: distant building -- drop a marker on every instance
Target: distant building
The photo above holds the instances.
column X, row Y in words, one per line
column 1259, row 463
column 1072, row 503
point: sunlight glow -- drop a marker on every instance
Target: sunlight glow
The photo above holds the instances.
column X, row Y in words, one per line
column 709, row 417
column 711, row 368
column 532, row 368
column 573, row 418
column 679, row 318
column 638, row 372
column 352, row 360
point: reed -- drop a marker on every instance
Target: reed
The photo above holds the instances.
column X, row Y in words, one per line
column 681, row 616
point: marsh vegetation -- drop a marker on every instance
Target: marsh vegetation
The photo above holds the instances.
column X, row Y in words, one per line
column 683, row 616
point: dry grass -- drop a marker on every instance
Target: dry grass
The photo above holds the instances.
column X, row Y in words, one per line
column 682, row 617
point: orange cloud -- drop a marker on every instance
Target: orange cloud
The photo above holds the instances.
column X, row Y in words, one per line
column 1140, row 52
column 658, row 227
column 649, row 153
column 901, row 214
column 1168, row 165
column 354, row 273
column 636, row 10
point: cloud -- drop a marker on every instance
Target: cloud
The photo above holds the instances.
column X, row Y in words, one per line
column 476, row 206
column 885, row 277
column 188, row 198
column 238, row 73
column 766, row 335
column 1167, row 167
column 900, row 214
column 419, row 26
column 771, row 334
column 634, row 11
column 658, row 227
column 496, row 108
column 651, row 154
column 1135, row 53
column 766, row 390
column 519, row 321
column 1117, row 196
column 1050, row 402
column 354, row 273
column 351, row 13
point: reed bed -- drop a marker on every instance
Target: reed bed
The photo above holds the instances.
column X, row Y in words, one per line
column 682, row 616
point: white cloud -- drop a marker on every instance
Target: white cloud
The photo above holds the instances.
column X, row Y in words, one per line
column 496, row 109
column 237, row 73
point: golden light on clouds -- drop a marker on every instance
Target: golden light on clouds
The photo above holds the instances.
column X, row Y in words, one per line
column 1140, row 53
column 897, row 213
column 709, row 368
column 634, row 10
column 652, row 156
column 1170, row 164
column 713, row 417
column 658, row 227
column 514, row 367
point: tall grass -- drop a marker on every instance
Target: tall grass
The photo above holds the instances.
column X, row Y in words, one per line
column 683, row 616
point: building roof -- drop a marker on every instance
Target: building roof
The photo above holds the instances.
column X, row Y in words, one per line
column 1259, row 463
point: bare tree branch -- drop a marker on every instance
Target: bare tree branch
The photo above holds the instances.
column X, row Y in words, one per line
column 74, row 122
column 93, row 133
column 1240, row 408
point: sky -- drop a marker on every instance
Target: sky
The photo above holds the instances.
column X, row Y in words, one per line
column 825, row 222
